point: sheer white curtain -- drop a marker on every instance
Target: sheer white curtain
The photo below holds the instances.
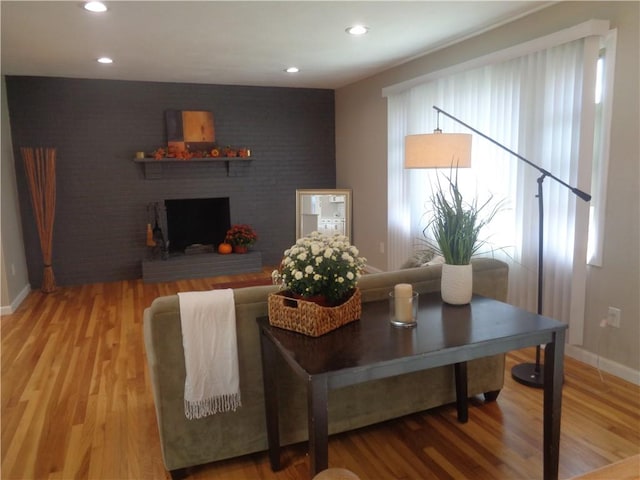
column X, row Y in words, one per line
column 533, row 104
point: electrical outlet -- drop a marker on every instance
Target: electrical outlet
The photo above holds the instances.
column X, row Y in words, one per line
column 613, row 317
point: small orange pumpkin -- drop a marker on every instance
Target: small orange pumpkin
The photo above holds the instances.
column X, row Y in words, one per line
column 225, row 248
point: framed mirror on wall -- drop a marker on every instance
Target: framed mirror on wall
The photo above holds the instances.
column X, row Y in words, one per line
column 326, row 211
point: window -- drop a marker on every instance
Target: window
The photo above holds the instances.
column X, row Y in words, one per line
column 602, row 133
column 533, row 103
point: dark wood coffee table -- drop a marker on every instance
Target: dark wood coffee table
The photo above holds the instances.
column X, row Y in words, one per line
column 444, row 335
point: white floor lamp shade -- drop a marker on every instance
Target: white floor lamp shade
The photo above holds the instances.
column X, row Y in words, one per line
column 437, row 150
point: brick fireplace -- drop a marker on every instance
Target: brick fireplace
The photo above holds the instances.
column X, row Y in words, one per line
column 98, row 125
column 194, row 227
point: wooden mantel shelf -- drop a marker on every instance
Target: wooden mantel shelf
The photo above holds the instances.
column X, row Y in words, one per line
column 153, row 168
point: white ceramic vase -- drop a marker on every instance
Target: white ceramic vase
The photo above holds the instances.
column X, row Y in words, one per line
column 457, row 284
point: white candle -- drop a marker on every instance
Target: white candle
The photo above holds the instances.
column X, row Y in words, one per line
column 403, row 293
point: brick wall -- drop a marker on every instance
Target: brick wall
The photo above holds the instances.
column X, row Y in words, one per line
column 97, row 125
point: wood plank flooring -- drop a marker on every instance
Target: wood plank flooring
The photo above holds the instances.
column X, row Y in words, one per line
column 77, row 403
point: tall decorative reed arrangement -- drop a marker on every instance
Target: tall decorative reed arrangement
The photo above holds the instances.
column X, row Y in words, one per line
column 40, row 166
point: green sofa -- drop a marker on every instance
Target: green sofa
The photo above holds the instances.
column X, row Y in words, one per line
column 188, row 443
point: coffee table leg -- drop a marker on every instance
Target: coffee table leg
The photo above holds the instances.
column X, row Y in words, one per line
column 270, row 400
column 462, row 402
column 317, row 398
column 553, row 378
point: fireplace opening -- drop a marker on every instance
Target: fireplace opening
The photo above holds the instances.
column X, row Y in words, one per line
column 196, row 225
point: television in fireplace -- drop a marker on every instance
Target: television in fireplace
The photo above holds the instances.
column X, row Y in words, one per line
column 196, row 221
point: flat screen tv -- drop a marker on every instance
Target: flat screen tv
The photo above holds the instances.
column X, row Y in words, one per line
column 196, row 221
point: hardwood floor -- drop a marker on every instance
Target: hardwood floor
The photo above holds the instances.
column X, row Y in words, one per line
column 76, row 403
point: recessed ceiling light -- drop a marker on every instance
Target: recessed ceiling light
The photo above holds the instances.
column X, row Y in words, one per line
column 105, row 60
column 292, row 70
column 97, row 7
column 357, row 30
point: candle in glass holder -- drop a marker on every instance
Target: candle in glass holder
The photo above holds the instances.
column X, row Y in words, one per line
column 403, row 295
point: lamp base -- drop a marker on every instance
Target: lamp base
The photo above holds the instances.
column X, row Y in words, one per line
column 529, row 374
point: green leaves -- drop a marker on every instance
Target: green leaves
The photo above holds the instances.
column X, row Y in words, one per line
column 456, row 224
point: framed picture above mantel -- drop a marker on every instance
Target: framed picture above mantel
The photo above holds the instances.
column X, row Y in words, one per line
column 190, row 130
column 191, row 136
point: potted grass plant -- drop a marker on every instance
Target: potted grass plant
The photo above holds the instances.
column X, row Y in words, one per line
column 455, row 226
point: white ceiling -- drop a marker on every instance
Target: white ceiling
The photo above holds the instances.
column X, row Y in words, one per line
column 236, row 42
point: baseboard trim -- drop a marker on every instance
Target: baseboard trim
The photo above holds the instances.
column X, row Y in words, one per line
column 9, row 309
column 604, row 364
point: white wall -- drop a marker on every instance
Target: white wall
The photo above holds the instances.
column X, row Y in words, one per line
column 14, row 282
column 361, row 156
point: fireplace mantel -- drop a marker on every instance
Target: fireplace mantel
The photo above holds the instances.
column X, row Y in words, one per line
column 153, row 169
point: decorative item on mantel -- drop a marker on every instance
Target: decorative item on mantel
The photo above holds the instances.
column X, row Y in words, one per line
column 191, row 135
column 241, row 237
column 187, row 153
column 319, row 276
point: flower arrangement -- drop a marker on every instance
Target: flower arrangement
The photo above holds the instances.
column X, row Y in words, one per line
column 241, row 235
column 321, row 265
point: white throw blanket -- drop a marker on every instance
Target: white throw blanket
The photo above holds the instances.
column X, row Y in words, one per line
column 210, row 352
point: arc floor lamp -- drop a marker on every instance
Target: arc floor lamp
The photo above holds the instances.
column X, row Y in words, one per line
column 436, row 150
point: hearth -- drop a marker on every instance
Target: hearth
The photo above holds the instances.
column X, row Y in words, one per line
column 196, row 225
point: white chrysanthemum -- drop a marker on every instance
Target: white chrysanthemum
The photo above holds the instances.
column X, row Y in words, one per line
column 321, row 263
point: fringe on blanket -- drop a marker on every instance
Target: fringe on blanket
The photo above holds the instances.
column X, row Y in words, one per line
column 209, row 406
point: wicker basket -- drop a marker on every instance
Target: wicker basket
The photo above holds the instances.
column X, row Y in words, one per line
column 310, row 318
